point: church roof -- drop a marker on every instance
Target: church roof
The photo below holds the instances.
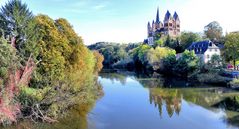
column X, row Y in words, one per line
column 175, row 16
column 167, row 15
column 149, row 24
column 201, row 47
column 157, row 16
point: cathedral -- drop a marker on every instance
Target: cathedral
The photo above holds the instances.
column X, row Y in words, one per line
column 170, row 26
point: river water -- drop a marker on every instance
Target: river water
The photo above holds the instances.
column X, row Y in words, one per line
column 132, row 102
column 135, row 102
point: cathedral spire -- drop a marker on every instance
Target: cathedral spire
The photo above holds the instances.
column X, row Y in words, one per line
column 175, row 16
column 149, row 26
column 157, row 16
column 167, row 16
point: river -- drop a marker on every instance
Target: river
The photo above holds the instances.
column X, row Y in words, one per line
column 135, row 102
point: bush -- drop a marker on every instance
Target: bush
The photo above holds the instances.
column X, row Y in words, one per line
column 212, row 78
column 185, row 65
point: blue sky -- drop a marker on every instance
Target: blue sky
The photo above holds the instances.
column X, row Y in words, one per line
column 126, row 20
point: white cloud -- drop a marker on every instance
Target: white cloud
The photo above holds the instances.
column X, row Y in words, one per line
column 196, row 14
column 99, row 6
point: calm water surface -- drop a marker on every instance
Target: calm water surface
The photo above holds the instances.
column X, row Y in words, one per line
column 134, row 102
column 141, row 103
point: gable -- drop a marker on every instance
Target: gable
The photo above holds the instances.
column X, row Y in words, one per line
column 202, row 46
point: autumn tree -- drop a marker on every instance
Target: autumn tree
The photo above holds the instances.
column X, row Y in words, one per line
column 52, row 48
column 99, row 60
column 213, row 31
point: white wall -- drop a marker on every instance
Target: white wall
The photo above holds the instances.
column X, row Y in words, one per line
column 211, row 51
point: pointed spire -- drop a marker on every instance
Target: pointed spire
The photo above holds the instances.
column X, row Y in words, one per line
column 167, row 16
column 157, row 16
column 153, row 25
column 175, row 16
column 149, row 26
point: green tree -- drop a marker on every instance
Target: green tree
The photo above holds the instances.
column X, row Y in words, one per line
column 18, row 24
column 159, row 43
column 187, row 38
column 140, row 52
column 155, row 56
column 216, row 61
column 171, row 42
column 168, row 41
column 9, row 61
column 121, row 53
column 231, row 48
column 187, row 63
column 169, row 64
column 213, row 31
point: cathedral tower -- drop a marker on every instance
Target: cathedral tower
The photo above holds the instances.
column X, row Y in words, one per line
column 149, row 30
column 170, row 26
column 177, row 23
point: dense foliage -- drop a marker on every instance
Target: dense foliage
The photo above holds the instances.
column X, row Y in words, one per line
column 18, row 24
column 45, row 67
column 186, row 64
column 187, row 38
column 115, row 54
column 213, row 31
column 156, row 56
column 231, row 50
column 143, row 56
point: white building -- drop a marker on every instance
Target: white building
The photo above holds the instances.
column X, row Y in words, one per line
column 151, row 41
column 205, row 50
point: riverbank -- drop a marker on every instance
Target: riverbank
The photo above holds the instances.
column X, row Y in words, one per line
column 213, row 78
column 163, row 60
column 48, row 72
column 152, row 100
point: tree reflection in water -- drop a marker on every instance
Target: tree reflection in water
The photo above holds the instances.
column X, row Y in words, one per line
column 171, row 98
column 171, row 92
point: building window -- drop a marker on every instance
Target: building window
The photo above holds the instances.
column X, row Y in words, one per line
column 210, row 50
column 215, row 50
column 208, row 56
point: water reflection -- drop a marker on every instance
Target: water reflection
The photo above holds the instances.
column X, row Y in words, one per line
column 171, row 96
column 76, row 118
column 134, row 101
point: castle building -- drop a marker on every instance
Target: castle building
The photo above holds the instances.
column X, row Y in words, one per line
column 170, row 26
